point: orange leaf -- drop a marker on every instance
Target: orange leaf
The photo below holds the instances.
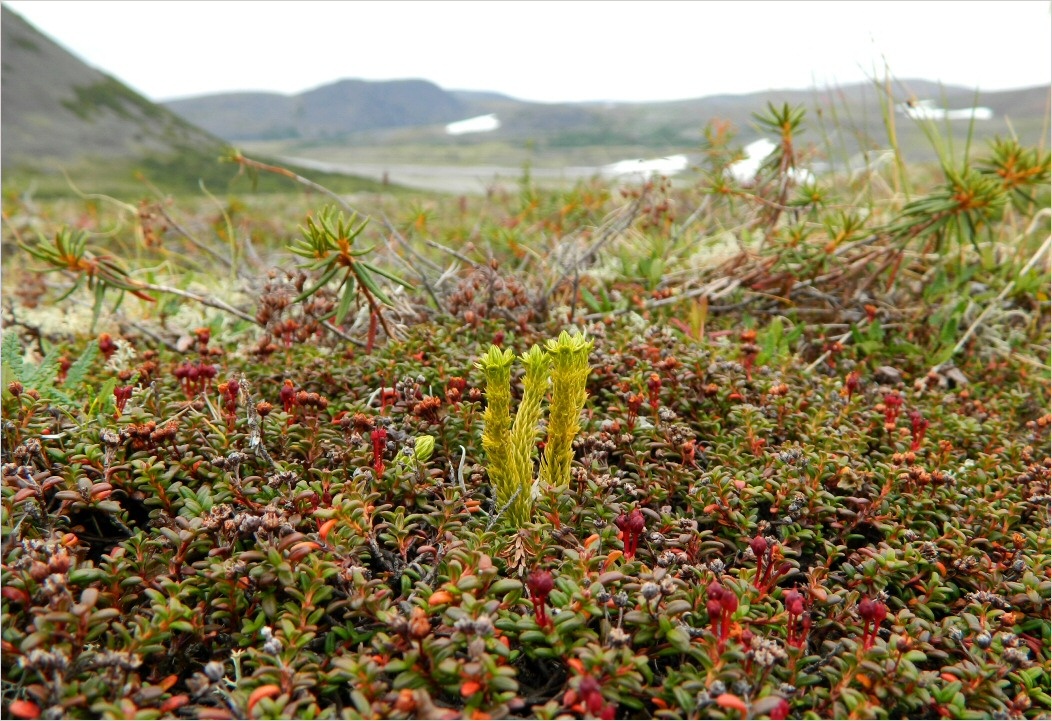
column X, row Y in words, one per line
column 301, row 550
column 611, row 557
column 591, row 539
column 469, row 688
column 168, row 681
column 948, row 677
column 729, row 700
column 439, row 597
column 24, row 709
column 323, row 530
column 265, row 691
column 575, row 664
column 174, row 702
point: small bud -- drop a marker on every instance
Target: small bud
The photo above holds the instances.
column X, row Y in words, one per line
column 540, row 583
column 419, row 625
column 423, row 448
column 214, row 671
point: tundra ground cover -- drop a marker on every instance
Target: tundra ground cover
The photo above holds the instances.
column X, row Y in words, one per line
column 811, row 477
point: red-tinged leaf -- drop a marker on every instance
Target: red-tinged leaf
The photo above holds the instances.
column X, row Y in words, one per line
column 301, row 550
column 211, row 712
column 469, row 688
column 439, row 597
column 323, row 529
column 168, row 681
column 24, row 709
column 16, row 595
column 23, row 495
column 729, row 700
column 611, row 558
column 175, row 702
column 268, row 690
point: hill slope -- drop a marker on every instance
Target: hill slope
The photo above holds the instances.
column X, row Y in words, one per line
column 56, row 110
column 62, row 118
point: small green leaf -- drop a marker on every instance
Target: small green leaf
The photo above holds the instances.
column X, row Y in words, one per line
column 346, row 299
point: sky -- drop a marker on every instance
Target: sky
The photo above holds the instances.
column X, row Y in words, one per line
column 546, row 51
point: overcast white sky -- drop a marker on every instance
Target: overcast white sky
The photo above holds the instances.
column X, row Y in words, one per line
column 552, row 51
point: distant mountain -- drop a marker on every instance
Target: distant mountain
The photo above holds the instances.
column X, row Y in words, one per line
column 333, row 110
column 56, row 110
column 369, row 113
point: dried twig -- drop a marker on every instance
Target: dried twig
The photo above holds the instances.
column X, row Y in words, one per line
column 500, row 512
column 174, row 225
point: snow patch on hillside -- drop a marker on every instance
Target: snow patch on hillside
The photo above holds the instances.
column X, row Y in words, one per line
column 928, row 110
column 671, row 165
column 478, row 124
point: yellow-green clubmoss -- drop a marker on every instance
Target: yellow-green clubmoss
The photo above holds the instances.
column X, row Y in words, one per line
column 564, row 365
column 496, row 434
column 524, row 432
column 569, row 354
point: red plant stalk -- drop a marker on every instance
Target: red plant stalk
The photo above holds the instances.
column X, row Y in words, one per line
column 540, row 584
column 229, row 391
column 121, row 394
column 631, row 526
column 635, row 401
column 918, row 426
column 748, row 361
column 379, row 437
column 892, row 407
column 851, row 383
column 799, row 619
column 766, row 573
column 654, row 388
column 873, row 614
column 721, row 606
column 762, row 550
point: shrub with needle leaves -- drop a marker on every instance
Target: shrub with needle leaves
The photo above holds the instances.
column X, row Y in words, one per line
column 328, row 242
